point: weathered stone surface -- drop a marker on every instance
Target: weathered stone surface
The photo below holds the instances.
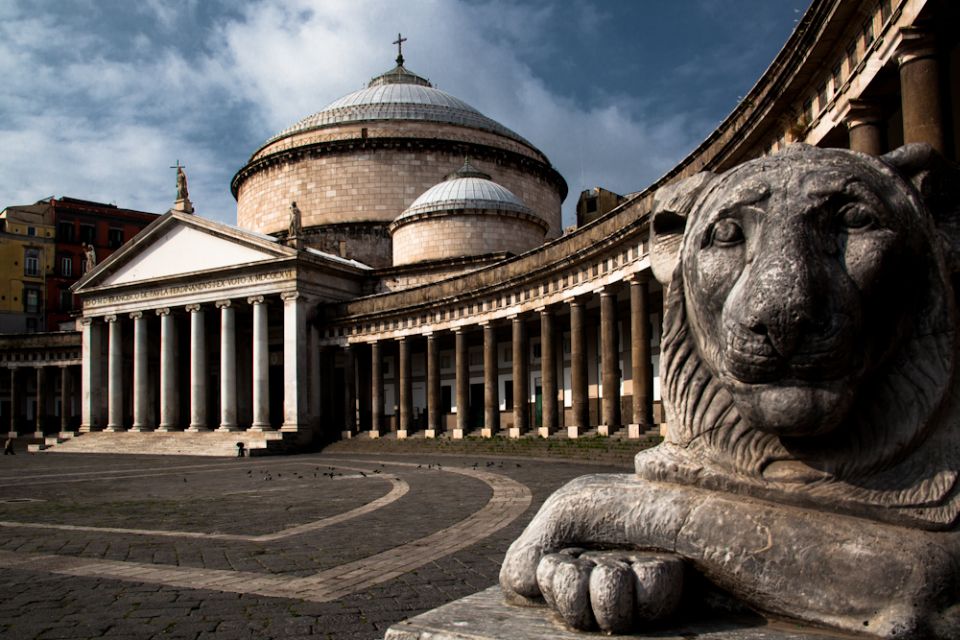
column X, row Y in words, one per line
column 485, row 616
column 810, row 469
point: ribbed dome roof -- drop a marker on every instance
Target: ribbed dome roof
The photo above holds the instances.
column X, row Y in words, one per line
column 467, row 188
column 399, row 94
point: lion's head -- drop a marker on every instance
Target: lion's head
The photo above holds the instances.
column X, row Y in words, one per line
column 809, row 330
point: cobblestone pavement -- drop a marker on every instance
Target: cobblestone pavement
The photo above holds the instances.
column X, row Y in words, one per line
column 321, row 545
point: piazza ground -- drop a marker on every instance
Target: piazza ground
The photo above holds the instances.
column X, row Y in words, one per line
column 339, row 544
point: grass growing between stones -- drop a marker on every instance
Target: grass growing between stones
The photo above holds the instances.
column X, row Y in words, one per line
column 588, row 448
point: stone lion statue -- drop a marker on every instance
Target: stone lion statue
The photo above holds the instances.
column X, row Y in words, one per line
column 808, row 363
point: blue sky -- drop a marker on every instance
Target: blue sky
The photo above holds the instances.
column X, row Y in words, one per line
column 102, row 96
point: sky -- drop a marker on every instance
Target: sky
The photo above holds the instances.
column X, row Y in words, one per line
column 101, row 97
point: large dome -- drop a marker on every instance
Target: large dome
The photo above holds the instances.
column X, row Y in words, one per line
column 399, row 94
column 355, row 166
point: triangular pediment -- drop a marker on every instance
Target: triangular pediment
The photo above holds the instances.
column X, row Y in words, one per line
column 177, row 245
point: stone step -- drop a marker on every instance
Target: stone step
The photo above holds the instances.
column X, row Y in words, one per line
column 172, row 443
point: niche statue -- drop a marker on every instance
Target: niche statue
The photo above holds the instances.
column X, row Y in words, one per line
column 809, row 374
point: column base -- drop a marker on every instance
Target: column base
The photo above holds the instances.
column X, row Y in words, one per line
column 39, row 434
column 290, row 428
column 513, row 432
column 401, row 434
column 87, row 428
column 374, row 434
column 114, row 429
column 486, row 432
column 430, row 433
column 543, row 432
column 227, row 428
column 66, row 435
column 346, row 435
column 261, row 427
column 168, row 428
column 605, row 429
column 198, row 428
column 11, row 435
column 457, row 434
column 633, row 431
column 142, row 428
column 574, row 432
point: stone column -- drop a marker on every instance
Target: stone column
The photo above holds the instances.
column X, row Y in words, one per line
column 228, row 367
column 864, row 123
column 920, row 88
column 642, row 362
column 580, row 420
column 169, row 365
column 433, row 386
column 41, row 402
column 463, row 383
column 294, row 360
column 548, row 372
column 406, row 389
column 610, row 364
column 14, row 403
column 491, row 392
column 350, row 392
column 198, row 369
column 521, row 378
column 114, row 375
column 64, row 398
column 261, row 366
column 141, row 373
column 376, row 389
column 90, row 383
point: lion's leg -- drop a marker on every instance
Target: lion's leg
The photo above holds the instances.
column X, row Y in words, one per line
column 849, row 573
column 606, row 511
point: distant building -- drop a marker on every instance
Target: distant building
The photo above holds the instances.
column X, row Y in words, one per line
column 42, row 253
column 596, row 202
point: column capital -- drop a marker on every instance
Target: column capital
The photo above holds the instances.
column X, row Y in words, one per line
column 86, row 321
column 578, row 300
column 163, row 311
column 915, row 43
column 223, row 304
column 193, row 308
column 637, row 278
column 110, row 319
column 401, row 338
column 255, row 300
column 430, row 335
column 289, row 296
column 861, row 112
column 136, row 315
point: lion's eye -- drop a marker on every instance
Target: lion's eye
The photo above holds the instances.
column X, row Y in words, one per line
column 727, row 232
column 856, row 217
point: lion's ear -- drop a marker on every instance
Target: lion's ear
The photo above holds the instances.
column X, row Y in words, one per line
column 938, row 182
column 671, row 205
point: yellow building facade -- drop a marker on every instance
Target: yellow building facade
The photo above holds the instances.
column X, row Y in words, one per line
column 27, row 253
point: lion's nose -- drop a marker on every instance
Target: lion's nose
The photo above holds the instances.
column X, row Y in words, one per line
column 780, row 303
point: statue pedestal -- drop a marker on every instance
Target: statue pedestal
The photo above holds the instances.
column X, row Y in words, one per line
column 485, row 616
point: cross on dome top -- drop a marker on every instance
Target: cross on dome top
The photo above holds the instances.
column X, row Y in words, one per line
column 399, row 42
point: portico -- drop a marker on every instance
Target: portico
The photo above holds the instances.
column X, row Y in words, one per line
column 221, row 345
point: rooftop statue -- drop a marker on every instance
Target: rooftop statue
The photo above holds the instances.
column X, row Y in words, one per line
column 810, row 469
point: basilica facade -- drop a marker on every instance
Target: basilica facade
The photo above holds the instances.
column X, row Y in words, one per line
column 399, row 269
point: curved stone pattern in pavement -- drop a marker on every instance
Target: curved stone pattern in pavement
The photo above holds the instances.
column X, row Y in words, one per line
column 508, row 501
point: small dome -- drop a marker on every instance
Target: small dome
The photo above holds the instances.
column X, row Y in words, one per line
column 399, row 94
column 467, row 188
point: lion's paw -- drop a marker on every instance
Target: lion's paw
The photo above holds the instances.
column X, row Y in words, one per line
column 614, row 591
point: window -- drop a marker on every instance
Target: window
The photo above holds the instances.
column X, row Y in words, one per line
column 446, row 398
column 591, row 204
column 88, row 233
column 31, row 262
column 65, row 231
column 852, row 57
column 808, row 110
column 66, row 266
column 114, row 238
column 867, row 34
column 31, row 231
column 837, row 78
column 66, row 300
column 822, row 96
column 884, row 10
column 31, row 300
